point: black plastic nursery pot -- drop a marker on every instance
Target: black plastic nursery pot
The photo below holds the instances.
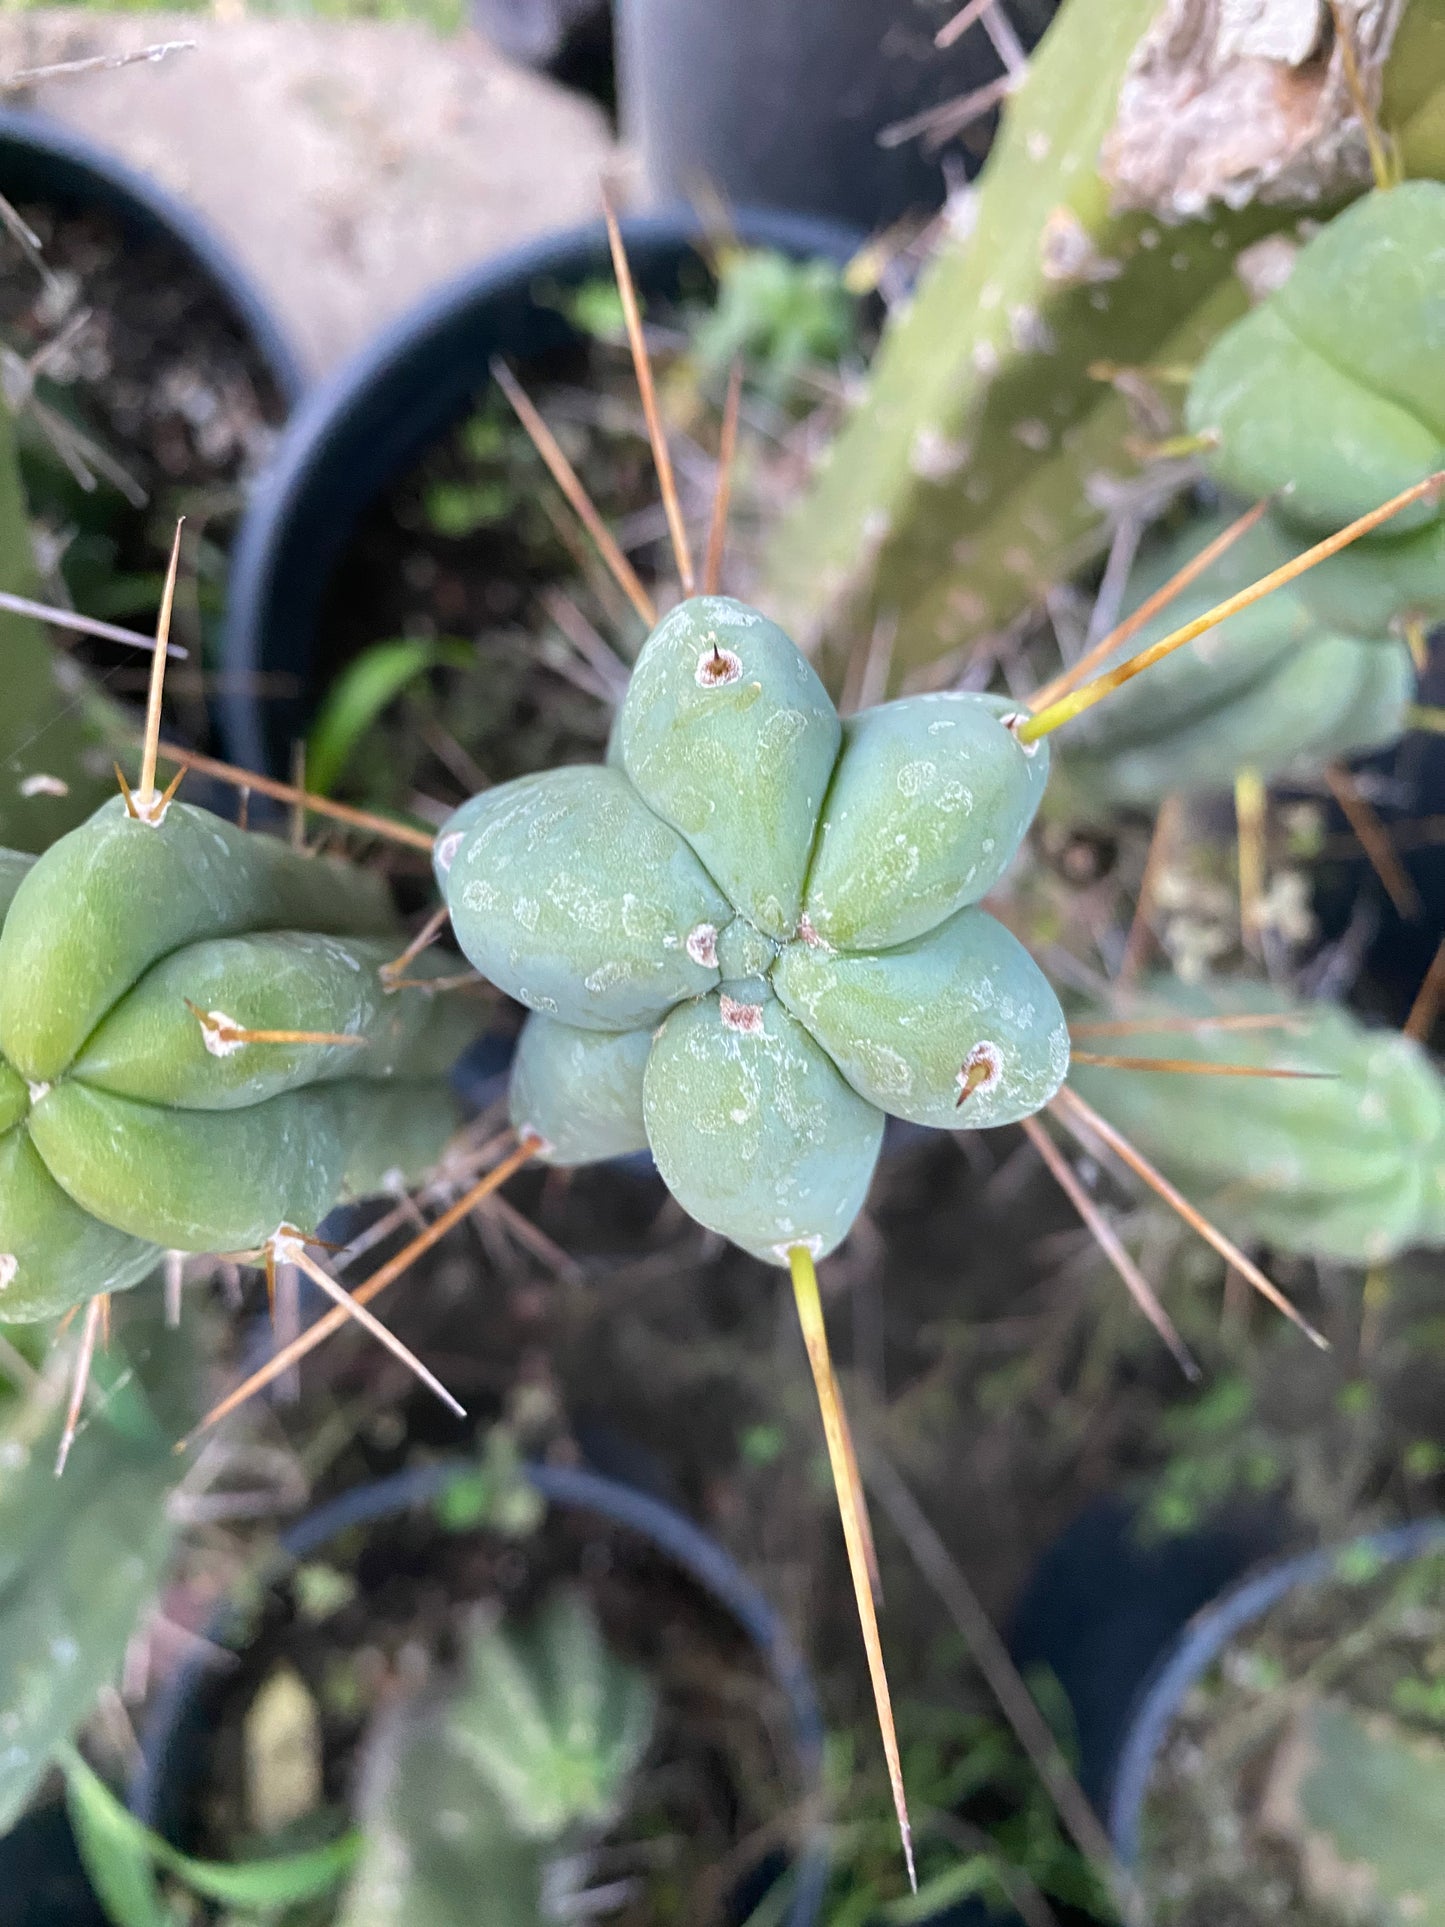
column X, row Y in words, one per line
column 364, row 428
column 1128, row 1627
column 774, row 105
column 178, row 1757
column 41, row 160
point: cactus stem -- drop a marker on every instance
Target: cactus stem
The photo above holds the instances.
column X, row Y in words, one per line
column 1065, row 708
column 223, row 1035
column 1374, row 840
column 423, row 940
column 1148, row 609
column 1190, row 1066
column 717, row 534
column 1161, row 848
column 853, row 1510
column 570, row 483
column 151, row 806
column 1428, row 998
column 1072, row 1112
column 1251, row 816
column 1112, row 1246
column 386, row 1275
column 367, row 821
column 661, row 456
column 288, row 1244
column 95, row 1312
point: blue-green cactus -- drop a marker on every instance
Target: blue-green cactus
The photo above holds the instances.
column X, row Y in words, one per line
column 198, row 1046
column 754, row 933
column 1345, row 1164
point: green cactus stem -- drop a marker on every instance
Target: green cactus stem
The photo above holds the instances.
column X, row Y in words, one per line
column 983, row 465
column 472, row 1795
column 1347, row 1163
column 1269, row 690
column 199, row 1046
column 81, row 1557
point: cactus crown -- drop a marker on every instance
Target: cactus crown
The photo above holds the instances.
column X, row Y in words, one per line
column 755, row 932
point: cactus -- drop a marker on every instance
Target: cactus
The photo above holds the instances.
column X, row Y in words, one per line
column 1346, row 1163
column 1269, row 690
column 472, row 1795
column 55, row 726
column 980, row 470
column 755, row 932
column 82, row 1556
column 1359, row 1798
column 197, row 1046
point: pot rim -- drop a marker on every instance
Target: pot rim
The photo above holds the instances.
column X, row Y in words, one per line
column 385, row 379
column 578, row 1488
column 1205, row 1637
column 140, row 200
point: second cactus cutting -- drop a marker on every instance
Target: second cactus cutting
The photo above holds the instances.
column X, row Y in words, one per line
column 756, row 932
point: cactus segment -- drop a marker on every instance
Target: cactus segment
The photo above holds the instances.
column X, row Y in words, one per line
column 574, row 898
column 1348, row 1166
column 152, row 1046
column 551, row 1722
column 928, row 805
column 80, row 1560
column 754, row 1130
column 472, row 1797
column 580, row 1091
column 176, row 1119
column 1360, row 1797
column 743, row 951
column 14, row 865
column 53, row 1255
column 957, row 1029
column 728, row 734
column 196, row 1180
column 117, row 894
column 395, row 1133
column 1330, row 389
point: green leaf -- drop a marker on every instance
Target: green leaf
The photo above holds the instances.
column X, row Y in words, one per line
column 121, row 1855
column 113, row 1849
column 361, row 692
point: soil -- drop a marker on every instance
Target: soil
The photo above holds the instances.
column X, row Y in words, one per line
column 717, row 1776
column 155, row 389
column 1217, row 1851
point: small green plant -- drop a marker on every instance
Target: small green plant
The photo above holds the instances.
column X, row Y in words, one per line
column 474, row 1794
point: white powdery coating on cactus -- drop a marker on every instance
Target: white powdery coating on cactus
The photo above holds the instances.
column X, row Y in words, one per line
column 716, row 668
column 701, row 945
column 9, row 1266
column 36, row 1090
column 287, row 1246
column 747, row 1018
column 445, row 854
column 220, row 1034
